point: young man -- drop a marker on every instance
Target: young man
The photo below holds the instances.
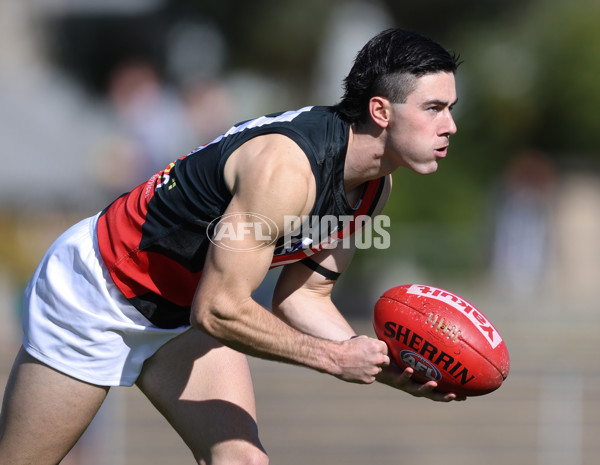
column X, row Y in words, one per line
column 156, row 290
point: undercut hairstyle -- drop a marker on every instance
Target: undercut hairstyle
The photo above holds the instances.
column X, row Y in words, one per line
column 388, row 66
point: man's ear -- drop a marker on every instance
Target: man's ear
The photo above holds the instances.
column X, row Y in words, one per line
column 380, row 109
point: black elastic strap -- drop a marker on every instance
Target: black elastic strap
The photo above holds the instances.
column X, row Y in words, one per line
column 332, row 275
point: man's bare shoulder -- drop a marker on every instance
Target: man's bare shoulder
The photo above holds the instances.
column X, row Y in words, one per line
column 275, row 153
column 272, row 171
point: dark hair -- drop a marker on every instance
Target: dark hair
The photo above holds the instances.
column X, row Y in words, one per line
column 387, row 66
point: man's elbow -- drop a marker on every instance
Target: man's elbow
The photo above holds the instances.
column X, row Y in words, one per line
column 205, row 316
column 200, row 318
column 213, row 314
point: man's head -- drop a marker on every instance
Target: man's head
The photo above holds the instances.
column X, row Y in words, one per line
column 388, row 66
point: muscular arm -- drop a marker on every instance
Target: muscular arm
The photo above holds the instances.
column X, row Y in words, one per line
column 303, row 299
column 270, row 176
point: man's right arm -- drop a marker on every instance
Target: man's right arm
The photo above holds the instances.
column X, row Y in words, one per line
column 272, row 180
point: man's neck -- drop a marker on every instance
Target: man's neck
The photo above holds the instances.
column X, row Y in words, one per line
column 364, row 158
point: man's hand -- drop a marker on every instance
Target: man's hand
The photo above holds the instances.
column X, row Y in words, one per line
column 394, row 377
column 362, row 359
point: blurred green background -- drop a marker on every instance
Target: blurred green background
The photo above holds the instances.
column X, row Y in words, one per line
column 95, row 95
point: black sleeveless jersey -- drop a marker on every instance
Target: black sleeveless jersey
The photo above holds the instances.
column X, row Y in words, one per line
column 154, row 239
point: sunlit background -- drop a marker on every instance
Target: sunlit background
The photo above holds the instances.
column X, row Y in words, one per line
column 96, row 95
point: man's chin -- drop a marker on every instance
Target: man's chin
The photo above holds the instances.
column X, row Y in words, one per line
column 426, row 169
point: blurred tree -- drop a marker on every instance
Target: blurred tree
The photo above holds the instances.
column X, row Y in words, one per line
column 528, row 80
column 567, row 91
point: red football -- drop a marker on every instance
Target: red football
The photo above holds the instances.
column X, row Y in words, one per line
column 443, row 338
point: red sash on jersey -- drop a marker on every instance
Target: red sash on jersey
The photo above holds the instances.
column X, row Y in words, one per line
column 139, row 273
column 367, row 204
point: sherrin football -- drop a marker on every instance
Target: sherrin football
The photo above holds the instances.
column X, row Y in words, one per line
column 443, row 338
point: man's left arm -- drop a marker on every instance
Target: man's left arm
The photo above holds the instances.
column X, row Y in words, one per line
column 302, row 297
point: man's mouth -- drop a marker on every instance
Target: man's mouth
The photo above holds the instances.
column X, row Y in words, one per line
column 442, row 151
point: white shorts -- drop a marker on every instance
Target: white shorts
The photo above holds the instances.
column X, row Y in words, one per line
column 78, row 322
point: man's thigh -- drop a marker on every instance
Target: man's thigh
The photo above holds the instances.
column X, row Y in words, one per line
column 204, row 390
column 44, row 412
